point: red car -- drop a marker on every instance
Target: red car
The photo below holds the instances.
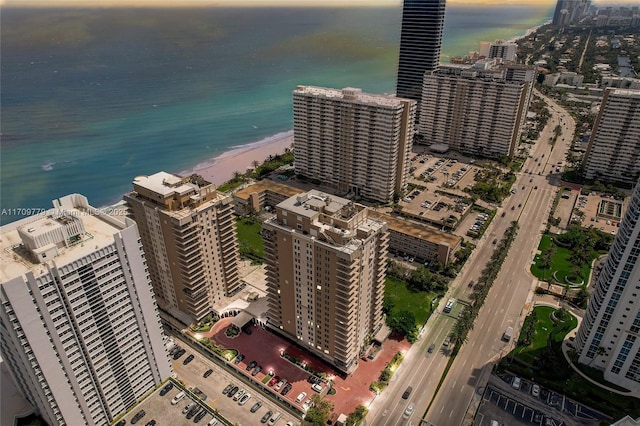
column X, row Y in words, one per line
column 274, row 380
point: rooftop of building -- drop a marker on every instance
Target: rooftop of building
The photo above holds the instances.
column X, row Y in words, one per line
column 179, row 196
column 631, row 93
column 96, row 229
column 338, row 221
column 165, row 184
column 351, row 94
column 267, row 185
column 419, row 230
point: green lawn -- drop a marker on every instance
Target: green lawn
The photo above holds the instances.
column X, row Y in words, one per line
column 250, row 240
column 560, row 263
column 419, row 303
column 544, row 327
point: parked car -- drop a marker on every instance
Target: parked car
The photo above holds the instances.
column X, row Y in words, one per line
column 179, row 397
column 255, row 407
column 301, row 396
column 280, row 384
column 207, row 373
column 239, row 394
column 274, row 380
column 244, row 399
column 238, row 359
column 266, row 417
column 188, row 407
column 165, row 390
column 316, row 387
column 286, row 389
column 535, row 390
column 188, row 359
column 139, row 415
column 200, row 416
column 193, row 412
column 516, row 382
column 251, row 365
column 227, row 389
column 307, row 404
column 151, row 422
column 232, row 391
column 256, row 370
column 179, row 353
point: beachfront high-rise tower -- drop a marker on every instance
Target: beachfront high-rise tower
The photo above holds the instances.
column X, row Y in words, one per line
column 326, row 263
column 477, row 110
column 608, row 335
column 189, row 237
column 354, row 142
column 79, row 328
column 613, row 153
column 420, row 43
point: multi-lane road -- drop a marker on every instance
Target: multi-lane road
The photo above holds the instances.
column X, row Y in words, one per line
column 504, row 306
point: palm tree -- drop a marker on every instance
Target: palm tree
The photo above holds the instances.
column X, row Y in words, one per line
column 599, row 352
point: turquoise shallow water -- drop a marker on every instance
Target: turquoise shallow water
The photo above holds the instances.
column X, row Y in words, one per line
column 92, row 98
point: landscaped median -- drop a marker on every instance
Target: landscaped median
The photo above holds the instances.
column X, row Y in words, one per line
column 387, row 373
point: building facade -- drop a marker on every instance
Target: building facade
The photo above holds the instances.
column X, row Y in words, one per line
column 503, row 50
column 608, row 335
column 80, row 330
column 189, row 238
column 476, row 110
column 568, row 12
column 326, row 263
column 613, row 153
column 353, row 142
column 420, row 43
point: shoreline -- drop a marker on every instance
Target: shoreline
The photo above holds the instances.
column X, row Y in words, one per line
column 222, row 167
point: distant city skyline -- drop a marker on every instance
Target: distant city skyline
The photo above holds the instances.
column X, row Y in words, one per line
column 258, row 3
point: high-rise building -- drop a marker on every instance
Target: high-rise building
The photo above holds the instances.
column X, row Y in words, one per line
column 478, row 109
column 608, row 335
column 420, row 43
column 79, row 328
column 613, row 153
column 353, row 142
column 503, row 50
column 326, row 263
column 189, row 238
column 569, row 11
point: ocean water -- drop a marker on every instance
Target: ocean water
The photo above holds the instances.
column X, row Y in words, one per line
column 92, row 98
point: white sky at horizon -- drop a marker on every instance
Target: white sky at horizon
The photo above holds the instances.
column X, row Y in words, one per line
column 275, row 3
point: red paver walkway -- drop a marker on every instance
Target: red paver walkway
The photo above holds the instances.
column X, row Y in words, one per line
column 265, row 348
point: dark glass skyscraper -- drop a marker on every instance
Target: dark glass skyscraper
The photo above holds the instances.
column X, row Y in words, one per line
column 420, row 42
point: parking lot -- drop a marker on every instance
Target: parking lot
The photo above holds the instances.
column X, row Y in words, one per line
column 192, row 375
column 159, row 408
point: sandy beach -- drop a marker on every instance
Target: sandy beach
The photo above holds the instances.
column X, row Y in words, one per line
column 221, row 168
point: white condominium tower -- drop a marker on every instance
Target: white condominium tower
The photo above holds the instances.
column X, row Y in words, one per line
column 613, row 154
column 478, row 109
column 608, row 338
column 189, row 238
column 326, row 263
column 79, row 327
column 354, row 142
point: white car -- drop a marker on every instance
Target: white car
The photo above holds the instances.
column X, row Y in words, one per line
column 316, row 387
column 188, row 407
column 307, row 404
column 237, row 396
column 516, row 382
column 408, row 412
column 301, row 396
column 535, row 390
column 179, row 397
column 244, row 399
